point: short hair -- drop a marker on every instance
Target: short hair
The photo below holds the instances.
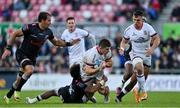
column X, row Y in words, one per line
column 75, row 71
column 104, row 43
column 43, row 16
column 70, row 18
column 138, row 13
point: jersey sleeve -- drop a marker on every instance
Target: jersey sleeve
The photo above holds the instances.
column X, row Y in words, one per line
column 152, row 32
column 126, row 34
column 51, row 36
column 84, row 33
column 25, row 29
column 87, row 59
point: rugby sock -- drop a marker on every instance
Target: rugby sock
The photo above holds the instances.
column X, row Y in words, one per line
column 141, row 82
column 38, row 98
column 23, row 80
column 122, row 84
column 11, row 92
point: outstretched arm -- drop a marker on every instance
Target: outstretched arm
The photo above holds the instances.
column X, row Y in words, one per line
column 62, row 43
column 10, row 42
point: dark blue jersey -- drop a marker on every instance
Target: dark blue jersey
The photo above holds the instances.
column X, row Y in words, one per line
column 34, row 38
column 126, row 52
column 73, row 93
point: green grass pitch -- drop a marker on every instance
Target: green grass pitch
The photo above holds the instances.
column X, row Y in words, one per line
column 155, row 99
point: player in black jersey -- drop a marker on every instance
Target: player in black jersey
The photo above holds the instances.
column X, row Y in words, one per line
column 72, row 93
column 35, row 35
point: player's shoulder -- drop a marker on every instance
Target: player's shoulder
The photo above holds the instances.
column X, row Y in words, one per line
column 79, row 30
column 129, row 28
column 91, row 51
column 147, row 25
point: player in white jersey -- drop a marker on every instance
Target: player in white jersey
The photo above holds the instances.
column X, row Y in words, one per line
column 94, row 61
column 140, row 34
column 76, row 51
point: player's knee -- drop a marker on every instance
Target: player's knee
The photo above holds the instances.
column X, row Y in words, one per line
column 29, row 69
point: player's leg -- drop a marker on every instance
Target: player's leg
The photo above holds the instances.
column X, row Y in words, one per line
column 139, row 69
column 136, row 90
column 126, row 76
column 13, row 88
column 144, row 95
column 104, row 90
column 127, row 88
column 41, row 97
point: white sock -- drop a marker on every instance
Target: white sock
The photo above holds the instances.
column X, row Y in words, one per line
column 122, row 84
column 141, row 82
column 124, row 91
column 33, row 100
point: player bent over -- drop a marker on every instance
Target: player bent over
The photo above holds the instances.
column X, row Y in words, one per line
column 72, row 93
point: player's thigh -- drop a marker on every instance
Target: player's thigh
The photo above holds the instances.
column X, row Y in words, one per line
column 137, row 63
column 129, row 68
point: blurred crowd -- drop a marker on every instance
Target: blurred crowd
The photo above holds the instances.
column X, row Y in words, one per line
column 83, row 10
column 55, row 60
column 175, row 14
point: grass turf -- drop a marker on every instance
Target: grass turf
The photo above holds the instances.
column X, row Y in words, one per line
column 155, row 99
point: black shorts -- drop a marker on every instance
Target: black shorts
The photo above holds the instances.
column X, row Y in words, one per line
column 24, row 60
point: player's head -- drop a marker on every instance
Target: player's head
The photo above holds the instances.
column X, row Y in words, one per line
column 75, row 71
column 45, row 19
column 138, row 18
column 104, row 46
column 70, row 23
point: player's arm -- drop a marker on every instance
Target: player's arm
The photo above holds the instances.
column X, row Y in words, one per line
column 108, row 62
column 91, row 70
column 10, row 42
column 122, row 45
column 155, row 41
column 62, row 43
column 93, row 88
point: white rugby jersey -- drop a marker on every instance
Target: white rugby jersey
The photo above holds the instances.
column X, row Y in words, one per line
column 94, row 59
column 77, row 50
column 140, row 39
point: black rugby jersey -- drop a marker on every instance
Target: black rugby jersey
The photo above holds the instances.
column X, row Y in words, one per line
column 73, row 93
column 34, row 38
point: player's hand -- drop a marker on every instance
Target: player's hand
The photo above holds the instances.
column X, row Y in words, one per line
column 6, row 54
column 75, row 41
column 121, row 51
column 149, row 51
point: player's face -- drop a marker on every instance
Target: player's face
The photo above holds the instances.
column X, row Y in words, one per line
column 138, row 21
column 104, row 51
column 47, row 22
column 71, row 25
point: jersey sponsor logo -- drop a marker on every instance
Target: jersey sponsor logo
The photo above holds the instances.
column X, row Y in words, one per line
column 141, row 40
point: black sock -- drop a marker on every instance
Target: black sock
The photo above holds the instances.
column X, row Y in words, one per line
column 21, row 83
column 120, row 95
column 11, row 92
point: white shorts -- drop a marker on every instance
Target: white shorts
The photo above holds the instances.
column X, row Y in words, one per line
column 141, row 58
